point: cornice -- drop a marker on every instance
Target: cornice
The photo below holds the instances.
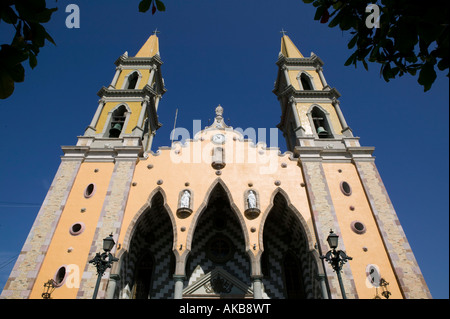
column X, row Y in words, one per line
column 146, row 91
column 308, row 94
column 313, row 60
column 122, row 60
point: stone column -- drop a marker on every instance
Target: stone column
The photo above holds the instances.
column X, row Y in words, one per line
column 257, row 287
column 152, row 75
column 116, row 77
column 178, row 293
column 345, row 129
column 286, row 74
column 323, row 286
column 90, row 131
column 113, row 279
column 325, row 85
column 298, row 130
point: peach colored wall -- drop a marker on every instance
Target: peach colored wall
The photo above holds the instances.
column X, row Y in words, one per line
column 353, row 242
column 201, row 176
column 58, row 254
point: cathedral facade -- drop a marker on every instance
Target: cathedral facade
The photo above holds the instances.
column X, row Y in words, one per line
column 217, row 216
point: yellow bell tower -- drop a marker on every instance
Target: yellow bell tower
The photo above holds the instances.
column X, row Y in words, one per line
column 127, row 110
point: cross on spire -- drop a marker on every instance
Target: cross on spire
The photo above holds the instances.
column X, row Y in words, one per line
column 156, row 31
column 283, row 32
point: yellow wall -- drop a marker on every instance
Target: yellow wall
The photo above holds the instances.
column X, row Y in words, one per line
column 58, row 254
column 353, row 242
column 134, row 116
column 145, row 75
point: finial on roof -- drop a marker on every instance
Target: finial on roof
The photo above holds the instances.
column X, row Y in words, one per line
column 156, row 31
column 283, row 32
column 219, row 111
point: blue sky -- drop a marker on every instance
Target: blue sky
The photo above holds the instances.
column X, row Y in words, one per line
column 222, row 52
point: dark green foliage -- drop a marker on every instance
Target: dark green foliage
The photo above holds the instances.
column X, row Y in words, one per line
column 27, row 17
column 413, row 36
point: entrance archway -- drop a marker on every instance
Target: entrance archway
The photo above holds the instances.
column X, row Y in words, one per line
column 288, row 267
column 148, row 266
column 218, row 265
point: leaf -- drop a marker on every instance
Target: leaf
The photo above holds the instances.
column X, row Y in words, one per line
column 32, row 60
column 160, row 5
column 427, row 76
column 144, row 5
column 325, row 16
column 6, row 85
column 351, row 60
column 352, row 42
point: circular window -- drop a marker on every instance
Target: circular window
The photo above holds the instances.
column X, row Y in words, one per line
column 220, row 249
column 358, row 227
column 346, row 189
column 60, row 276
column 373, row 276
column 89, row 191
column 76, row 229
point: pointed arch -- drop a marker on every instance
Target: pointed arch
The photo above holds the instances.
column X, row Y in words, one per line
column 305, row 81
column 121, row 110
column 217, row 183
column 132, row 80
column 305, row 229
column 141, row 212
column 319, row 117
column 141, row 238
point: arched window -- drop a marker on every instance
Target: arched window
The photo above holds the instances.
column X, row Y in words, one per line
column 117, row 121
column 306, row 82
column 132, row 81
column 320, row 122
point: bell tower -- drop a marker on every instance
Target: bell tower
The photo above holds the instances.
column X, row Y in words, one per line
column 127, row 109
column 311, row 115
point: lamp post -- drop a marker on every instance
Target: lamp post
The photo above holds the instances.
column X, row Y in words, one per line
column 103, row 261
column 336, row 258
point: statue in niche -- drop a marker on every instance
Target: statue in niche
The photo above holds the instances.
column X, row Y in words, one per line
column 251, row 199
column 185, row 200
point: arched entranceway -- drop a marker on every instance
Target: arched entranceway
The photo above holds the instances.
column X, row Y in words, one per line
column 288, row 268
column 218, row 265
column 148, row 266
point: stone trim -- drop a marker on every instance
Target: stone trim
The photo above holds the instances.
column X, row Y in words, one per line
column 324, row 218
column 406, row 269
column 110, row 221
column 25, row 271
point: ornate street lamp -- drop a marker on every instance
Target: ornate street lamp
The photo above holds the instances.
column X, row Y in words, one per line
column 336, row 258
column 49, row 287
column 103, row 261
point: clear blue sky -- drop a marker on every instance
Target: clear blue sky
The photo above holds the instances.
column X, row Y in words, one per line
column 221, row 52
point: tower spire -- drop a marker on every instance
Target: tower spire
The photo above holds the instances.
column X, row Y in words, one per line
column 150, row 48
column 288, row 48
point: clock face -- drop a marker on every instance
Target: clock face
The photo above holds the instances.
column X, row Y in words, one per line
column 218, row 138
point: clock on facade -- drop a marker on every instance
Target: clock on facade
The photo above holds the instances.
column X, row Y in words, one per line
column 218, row 139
